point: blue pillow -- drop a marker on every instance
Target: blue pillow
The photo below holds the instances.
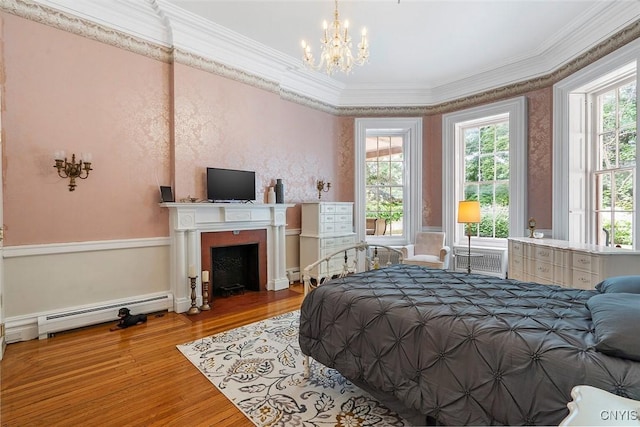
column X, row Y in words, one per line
column 616, row 321
column 620, row 284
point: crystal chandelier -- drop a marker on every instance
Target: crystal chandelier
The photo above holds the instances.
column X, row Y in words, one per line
column 336, row 48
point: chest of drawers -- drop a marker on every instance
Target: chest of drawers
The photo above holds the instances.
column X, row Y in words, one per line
column 568, row 264
column 326, row 228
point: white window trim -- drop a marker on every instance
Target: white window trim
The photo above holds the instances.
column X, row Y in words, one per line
column 412, row 128
column 562, row 92
column 451, row 190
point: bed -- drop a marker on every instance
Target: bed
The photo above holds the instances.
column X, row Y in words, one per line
column 450, row 348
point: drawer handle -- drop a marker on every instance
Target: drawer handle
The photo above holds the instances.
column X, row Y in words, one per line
column 584, row 261
column 584, row 280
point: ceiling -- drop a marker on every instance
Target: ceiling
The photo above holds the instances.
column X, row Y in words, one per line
column 436, row 43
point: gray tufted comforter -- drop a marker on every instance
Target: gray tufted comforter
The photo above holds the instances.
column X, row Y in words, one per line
column 461, row 349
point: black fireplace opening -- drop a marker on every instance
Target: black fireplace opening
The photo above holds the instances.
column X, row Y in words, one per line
column 234, row 269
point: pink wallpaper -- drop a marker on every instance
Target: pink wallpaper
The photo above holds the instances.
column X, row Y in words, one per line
column 224, row 123
column 540, row 179
column 66, row 92
column 432, row 171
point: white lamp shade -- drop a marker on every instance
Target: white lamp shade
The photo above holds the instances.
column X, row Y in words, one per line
column 469, row 211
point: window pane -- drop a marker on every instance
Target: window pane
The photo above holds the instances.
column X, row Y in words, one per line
column 471, row 192
column 608, row 104
column 471, row 141
column 502, row 165
column 603, row 182
column 622, row 234
column 627, row 108
column 486, row 195
column 502, row 194
column 471, row 168
column 627, row 146
column 502, row 137
column 608, row 150
column 624, row 191
column 487, row 139
column 487, row 167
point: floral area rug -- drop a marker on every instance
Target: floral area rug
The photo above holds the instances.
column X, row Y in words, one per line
column 259, row 368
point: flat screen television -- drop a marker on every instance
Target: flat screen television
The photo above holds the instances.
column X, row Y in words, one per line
column 230, row 185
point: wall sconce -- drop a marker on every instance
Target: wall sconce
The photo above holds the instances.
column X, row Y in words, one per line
column 72, row 170
column 322, row 186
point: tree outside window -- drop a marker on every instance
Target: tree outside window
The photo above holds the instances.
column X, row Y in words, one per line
column 486, row 176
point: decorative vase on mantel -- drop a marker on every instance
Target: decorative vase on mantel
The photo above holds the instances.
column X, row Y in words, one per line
column 271, row 196
column 279, row 189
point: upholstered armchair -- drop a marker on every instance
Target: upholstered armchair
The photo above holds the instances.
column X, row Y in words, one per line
column 429, row 251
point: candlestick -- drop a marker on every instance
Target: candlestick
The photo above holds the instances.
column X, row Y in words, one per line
column 205, row 291
column 194, row 308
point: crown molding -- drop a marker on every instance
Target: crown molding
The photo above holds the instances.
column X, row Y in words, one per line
column 57, row 14
column 163, row 31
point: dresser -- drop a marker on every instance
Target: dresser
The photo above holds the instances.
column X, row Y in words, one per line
column 568, row 264
column 326, row 227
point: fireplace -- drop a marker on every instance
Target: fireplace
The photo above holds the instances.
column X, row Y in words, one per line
column 198, row 227
column 235, row 257
column 234, row 269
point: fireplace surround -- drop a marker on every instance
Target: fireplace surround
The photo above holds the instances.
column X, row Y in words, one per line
column 192, row 223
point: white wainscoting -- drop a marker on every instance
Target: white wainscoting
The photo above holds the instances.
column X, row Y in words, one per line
column 42, row 280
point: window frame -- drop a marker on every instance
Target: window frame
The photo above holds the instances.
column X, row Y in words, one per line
column 568, row 95
column 411, row 130
column 453, row 168
column 595, row 168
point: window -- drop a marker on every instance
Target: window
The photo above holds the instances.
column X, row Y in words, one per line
column 480, row 146
column 595, row 155
column 486, row 173
column 384, row 165
column 388, row 206
column 614, row 143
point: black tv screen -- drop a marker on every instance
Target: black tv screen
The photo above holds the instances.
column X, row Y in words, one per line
column 230, row 185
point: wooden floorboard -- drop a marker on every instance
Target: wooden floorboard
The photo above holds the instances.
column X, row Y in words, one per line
column 131, row 377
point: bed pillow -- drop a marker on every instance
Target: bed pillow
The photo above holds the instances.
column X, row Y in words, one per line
column 618, row 284
column 616, row 321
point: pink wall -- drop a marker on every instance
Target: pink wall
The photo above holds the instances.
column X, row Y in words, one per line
column 540, row 156
column 432, row 171
column 65, row 92
column 223, row 123
column 62, row 91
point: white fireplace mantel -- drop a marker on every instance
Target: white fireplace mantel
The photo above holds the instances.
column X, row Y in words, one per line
column 187, row 222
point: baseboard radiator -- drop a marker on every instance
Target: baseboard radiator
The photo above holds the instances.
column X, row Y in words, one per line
column 493, row 261
column 86, row 316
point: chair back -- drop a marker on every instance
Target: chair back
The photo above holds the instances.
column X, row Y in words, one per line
column 381, row 227
column 429, row 242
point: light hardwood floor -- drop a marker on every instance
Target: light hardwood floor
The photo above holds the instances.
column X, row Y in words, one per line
column 131, row 377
